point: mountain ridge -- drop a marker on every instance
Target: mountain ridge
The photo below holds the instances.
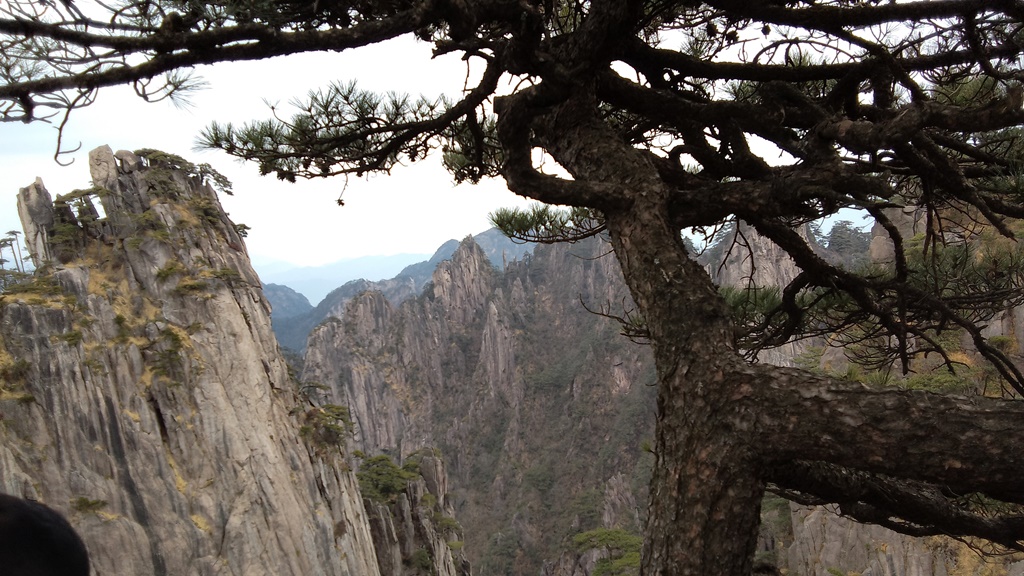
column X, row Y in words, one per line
column 293, row 328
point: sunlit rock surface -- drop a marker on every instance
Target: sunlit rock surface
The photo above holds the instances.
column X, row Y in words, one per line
column 143, row 394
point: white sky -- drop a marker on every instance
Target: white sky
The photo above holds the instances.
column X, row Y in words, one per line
column 413, row 210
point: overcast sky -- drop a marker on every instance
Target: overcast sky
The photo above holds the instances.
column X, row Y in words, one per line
column 413, row 210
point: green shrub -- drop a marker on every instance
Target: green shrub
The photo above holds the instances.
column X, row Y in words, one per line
column 166, row 160
column 71, row 337
column 168, row 361
column 25, row 398
column 447, row 524
column 33, row 284
column 172, row 268
column 587, row 507
column 229, row 276
column 13, row 378
column 11, row 279
column 205, row 209
column 83, row 504
column 626, row 565
column 429, row 501
column 623, row 550
column 940, row 380
column 190, row 286
column 412, row 461
column 148, row 221
column 380, row 479
column 615, row 540
column 327, row 425
column 1004, row 344
column 421, row 561
column 16, row 372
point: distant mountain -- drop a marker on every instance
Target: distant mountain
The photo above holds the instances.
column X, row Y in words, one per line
column 538, row 406
column 498, row 248
column 314, row 282
column 291, row 329
column 285, row 301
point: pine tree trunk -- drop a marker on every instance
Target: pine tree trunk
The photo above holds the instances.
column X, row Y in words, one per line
column 723, row 425
column 705, row 500
column 706, row 488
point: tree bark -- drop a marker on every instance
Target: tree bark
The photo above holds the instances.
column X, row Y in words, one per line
column 911, row 434
column 707, row 484
column 706, row 488
column 721, row 421
column 723, row 425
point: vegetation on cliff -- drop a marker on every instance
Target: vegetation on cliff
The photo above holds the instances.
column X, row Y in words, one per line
column 621, row 547
column 143, row 395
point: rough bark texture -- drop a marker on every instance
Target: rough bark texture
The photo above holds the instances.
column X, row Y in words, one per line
column 706, row 469
column 713, row 407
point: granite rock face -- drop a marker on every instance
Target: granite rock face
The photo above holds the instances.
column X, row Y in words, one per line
column 827, row 544
column 142, row 392
column 417, row 532
column 536, row 405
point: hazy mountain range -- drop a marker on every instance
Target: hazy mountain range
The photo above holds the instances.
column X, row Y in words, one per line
column 294, row 316
column 316, row 282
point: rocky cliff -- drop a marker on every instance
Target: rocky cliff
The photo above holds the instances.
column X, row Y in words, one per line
column 142, row 392
column 415, row 530
column 538, row 407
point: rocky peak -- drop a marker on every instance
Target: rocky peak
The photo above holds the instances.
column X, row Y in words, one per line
column 540, row 411
column 142, row 392
column 464, row 283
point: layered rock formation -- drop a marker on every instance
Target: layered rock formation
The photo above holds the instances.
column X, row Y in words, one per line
column 417, row 531
column 142, row 392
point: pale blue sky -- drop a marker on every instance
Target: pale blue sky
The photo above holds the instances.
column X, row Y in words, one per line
column 412, row 211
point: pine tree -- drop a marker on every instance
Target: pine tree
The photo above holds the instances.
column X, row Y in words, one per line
column 667, row 116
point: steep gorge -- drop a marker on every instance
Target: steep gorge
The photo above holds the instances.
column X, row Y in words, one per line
column 539, row 408
column 142, row 393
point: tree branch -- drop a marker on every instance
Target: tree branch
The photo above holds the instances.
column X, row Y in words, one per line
column 236, row 43
column 912, row 508
column 815, row 418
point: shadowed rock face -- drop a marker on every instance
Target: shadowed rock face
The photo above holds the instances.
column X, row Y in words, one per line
column 37, row 541
column 142, row 393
